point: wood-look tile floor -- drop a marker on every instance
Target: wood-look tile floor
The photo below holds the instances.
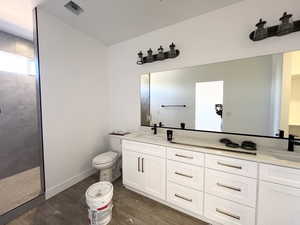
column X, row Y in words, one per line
column 69, row 208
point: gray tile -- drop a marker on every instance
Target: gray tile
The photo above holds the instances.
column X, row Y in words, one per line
column 19, row 133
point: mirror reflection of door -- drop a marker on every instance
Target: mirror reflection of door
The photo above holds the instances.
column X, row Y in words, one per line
column 290, row 102
column 208, row 95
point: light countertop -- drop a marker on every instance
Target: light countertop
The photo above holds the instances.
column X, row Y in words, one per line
column 280, row 157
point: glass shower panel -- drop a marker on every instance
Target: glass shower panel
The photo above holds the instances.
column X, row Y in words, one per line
column 20, row 141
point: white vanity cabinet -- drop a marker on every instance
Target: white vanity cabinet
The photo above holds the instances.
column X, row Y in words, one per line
column 231, row 165
column 217, row 189
column 279, row 196
column 185, row 198
column 227, row 212
column 144, row 169
column 230, row 190
column 154, row 170
column 185, row 180
column 232, row 187
column 132, row 174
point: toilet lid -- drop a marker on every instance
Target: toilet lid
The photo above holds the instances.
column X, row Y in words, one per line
column 105, row 157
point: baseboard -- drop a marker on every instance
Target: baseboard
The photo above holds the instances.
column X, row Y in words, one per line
column 52, row 191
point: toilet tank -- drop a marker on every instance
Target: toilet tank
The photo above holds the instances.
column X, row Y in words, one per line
column 115, row 143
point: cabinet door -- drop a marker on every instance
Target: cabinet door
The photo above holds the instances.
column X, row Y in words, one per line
column 154, row 171
column 278, row 205
column 132, row 170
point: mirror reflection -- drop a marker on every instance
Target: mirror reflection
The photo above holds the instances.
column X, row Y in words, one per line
column 255, row 96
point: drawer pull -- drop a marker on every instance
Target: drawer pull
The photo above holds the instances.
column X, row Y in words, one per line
column 184, row 156
column 184, row 175
column 138, row 164
column 229, row 187
column 228, row 165
column 184, row 198
column 142, row 165
column 227, row 214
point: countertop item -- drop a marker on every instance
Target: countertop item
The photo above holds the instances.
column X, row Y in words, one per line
column 120, row 133
column 248, row 145
column 232, row 145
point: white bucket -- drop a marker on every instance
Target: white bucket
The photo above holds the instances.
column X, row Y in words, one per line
column 99, row 200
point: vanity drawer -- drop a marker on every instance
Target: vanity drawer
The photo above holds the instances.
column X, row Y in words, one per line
column 149, row 149
column 280, row 175
column 186, row 198
column 227, row 212
column 195, row 158
column 232, row 187
column 231, row 165
column 185, row 174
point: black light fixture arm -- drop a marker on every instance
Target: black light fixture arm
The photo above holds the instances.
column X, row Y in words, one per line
column 161, row 55
column 286, row 26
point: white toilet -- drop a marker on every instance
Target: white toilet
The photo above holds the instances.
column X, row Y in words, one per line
column 109, row 163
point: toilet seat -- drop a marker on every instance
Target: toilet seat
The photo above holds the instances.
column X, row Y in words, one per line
column 105, row 158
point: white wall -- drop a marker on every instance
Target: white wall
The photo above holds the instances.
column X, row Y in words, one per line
column 74, row 101
column 247, row 90
column 217, row 36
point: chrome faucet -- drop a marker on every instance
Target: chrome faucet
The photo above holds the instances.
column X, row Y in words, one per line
column 154, row 128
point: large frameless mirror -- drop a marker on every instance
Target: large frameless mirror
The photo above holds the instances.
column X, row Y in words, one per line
column 254, row 96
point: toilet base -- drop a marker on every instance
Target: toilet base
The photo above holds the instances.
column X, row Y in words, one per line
column 111, row 174
column 105, row 175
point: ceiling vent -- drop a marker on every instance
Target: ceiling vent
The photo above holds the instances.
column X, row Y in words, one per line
column 74, row 8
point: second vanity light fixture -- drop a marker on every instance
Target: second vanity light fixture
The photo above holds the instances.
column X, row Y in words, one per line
column 286, row 26
column 161, row 55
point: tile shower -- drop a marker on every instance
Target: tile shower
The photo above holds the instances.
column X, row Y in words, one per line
column 20, row 131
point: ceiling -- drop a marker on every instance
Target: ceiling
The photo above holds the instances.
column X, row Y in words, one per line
column 16, row 17
column 113, row 21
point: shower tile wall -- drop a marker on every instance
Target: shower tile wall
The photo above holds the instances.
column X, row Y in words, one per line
column 19, row 135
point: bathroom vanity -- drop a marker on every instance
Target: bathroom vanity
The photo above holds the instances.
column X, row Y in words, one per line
column 216, row 186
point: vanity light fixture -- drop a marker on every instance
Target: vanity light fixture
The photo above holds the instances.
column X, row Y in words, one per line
column 261, row 32
column 161, row 55
column 140, row 59
column 150, row 57
column 172, row 52
column 286, row 26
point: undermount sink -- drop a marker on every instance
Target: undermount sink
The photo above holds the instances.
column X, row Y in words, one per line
column 236, row 150
column 289, row 156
